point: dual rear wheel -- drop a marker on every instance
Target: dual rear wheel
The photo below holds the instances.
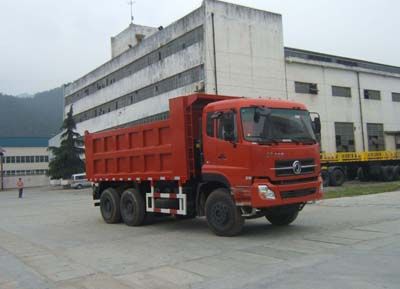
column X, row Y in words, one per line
column 129, row 207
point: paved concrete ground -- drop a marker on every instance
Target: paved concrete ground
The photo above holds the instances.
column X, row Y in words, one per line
column 57, row 239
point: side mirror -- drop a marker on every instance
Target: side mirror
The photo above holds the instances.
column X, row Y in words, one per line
column 216, row 115
column 317, row 125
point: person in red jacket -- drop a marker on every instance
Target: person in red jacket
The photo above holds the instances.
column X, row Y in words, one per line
column 20, row 186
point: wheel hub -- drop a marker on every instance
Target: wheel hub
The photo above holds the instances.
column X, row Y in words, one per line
column 220, row 214
column 128, row 208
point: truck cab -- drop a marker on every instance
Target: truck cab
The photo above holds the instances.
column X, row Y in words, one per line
column 265, row 151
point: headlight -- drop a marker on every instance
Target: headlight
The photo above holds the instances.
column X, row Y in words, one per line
column 266, row 193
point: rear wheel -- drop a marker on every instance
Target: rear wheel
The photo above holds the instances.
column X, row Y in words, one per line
column 283, row 218
column 362, row 175
column 109, row 206
column 223, row 217
column 397, row 173
column 388, row 174
column 133, row 209
column 337, row 178
column 325, row 178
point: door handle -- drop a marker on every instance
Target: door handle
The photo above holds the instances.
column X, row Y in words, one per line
column 222, row 157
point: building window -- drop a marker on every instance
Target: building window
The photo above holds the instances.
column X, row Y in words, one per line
column 397, row 140
column 344, row 137
column 376, row 139
column 341, row 91
column 396, row 96
column 372, row 94
column 306, row 88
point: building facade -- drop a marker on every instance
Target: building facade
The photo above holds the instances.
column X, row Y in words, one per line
column 358, row 101
column 221, row 48
column 218, row 48
column 25, row 158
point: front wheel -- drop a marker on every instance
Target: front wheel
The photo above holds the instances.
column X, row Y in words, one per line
column 282, row 219
column 223, row 217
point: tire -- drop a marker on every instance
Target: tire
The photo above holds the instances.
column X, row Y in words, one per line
column 79, row 187
column 282, row 219
column 337, row 178
column 351, row 173
column 397, row 173
column 109, row 206
column 223, row 217
column 376, row 173
column 362, row 175
column 133, row 208
column 325, row 178
column 388, row 174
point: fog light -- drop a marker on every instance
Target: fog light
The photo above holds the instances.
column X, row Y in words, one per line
column 266, row 193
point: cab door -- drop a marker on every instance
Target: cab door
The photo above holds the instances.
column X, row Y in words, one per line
column 227, row 156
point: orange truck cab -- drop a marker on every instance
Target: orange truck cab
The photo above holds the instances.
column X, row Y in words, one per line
column 225, row 158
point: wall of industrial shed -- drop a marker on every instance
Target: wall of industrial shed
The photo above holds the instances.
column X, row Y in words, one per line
column 10, row 182
column 172, row 65
column 129, row 38
column 249, row 51
column 29, row 180
column 154, row 41
column 143, row 109
column 341, row 109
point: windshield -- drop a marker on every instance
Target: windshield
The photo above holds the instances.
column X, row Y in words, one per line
column 276, row 125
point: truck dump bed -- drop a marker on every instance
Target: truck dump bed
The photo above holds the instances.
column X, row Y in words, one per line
column 158, row 150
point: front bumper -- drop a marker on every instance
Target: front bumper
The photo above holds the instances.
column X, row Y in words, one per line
column 284, row 194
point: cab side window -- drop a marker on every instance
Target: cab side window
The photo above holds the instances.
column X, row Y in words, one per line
column 227, row 128
column 210, row 124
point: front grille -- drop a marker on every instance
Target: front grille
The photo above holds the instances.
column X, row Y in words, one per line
column 296, row 181
column 285, row 167
column 298, row 193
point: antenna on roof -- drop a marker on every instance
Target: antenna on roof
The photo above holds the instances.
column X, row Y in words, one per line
column 130, row 3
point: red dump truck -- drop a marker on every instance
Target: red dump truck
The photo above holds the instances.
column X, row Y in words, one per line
column 226, row 158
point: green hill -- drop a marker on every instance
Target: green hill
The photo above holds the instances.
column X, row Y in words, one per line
column 37, row 116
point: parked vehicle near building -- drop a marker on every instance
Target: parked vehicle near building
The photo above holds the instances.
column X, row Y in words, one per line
column 79, row 181
column 366, row 166
column 225, row 158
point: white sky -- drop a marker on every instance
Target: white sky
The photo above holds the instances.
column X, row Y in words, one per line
column 45, row 43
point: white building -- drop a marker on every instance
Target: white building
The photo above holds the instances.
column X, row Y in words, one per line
column 359, row 101
column 234, row 50
column 25, row 158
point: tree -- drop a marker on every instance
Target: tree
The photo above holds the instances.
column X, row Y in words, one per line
column 67, row 160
